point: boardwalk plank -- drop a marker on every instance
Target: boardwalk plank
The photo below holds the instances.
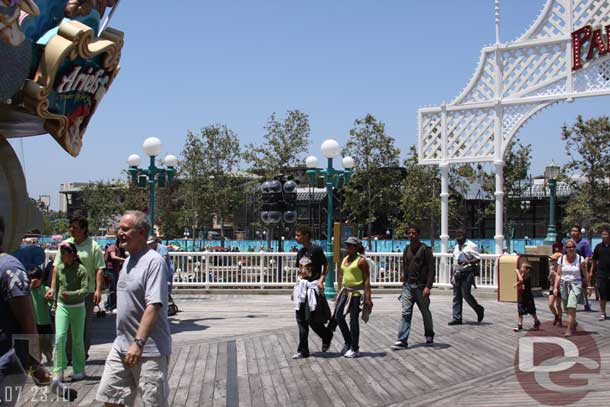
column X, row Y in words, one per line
column 220, row 382
column 282, row 387
column 188, row 373
column 256, row 385
column 286, row 344
column 242, row 374
column 196, row 385
column 209, row 376
column 269, row 391
column 178, row 371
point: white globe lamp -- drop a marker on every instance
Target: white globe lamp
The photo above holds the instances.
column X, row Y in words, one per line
column 330, row 148
column 312, row 162
column 348, row 162
column 171, row 160
column 134, row 160
column 152, row 146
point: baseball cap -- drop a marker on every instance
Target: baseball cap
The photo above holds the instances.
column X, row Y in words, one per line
column 352, row 240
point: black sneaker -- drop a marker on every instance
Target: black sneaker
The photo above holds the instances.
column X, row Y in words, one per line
column 300, row 355
column 455, row 322
column 399, row 345
column 345, row 349
column 481, row 315
column 326, row 345
column 429, row 340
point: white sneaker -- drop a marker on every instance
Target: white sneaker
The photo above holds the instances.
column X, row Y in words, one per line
column 351, row 354
column 78, row 376
column 58, row 377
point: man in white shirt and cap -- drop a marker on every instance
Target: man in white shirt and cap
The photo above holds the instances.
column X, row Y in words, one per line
column 466, row 259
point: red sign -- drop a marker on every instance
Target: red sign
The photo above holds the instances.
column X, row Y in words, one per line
column 594, row 38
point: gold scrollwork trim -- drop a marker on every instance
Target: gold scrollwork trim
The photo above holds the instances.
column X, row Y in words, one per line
column 73, row 40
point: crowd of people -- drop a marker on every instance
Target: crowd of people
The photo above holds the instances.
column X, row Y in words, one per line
column 35, row 307
column 54, row 309
column 575, row 273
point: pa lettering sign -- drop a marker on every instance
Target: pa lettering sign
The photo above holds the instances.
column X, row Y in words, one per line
column 595, row 41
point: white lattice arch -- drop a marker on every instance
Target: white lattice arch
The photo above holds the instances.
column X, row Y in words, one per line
column 513, row 82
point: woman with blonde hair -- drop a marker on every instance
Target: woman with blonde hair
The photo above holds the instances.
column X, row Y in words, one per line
column 569, row 281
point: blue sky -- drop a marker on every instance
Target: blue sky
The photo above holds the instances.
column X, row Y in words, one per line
column 188, row 63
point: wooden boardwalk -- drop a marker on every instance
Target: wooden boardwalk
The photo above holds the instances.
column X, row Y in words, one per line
column 469, row 365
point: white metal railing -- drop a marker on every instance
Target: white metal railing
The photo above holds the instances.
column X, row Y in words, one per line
column 273, row 269
column 390, row 270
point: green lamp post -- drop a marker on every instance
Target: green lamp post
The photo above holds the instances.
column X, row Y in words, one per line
column 551, row 174
column 330, row 149
column 152, row 175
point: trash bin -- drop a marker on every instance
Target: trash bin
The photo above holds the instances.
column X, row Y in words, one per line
column 507, row 278
column 507, row 264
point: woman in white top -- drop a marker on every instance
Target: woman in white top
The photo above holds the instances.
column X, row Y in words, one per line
column 570, row 274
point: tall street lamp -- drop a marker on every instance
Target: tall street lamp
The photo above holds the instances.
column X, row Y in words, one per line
column 551, row 173
column 330, row 149
column 153, row 174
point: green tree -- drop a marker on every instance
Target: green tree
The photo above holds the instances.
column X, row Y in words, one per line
column 420, row 201
column 168, row 204
column 103, row 202
column 212, row 186
column 517, row 161
column 588, row 148
column 54, row 223
column 284, row 144
column 169, row 213
column 373, row 193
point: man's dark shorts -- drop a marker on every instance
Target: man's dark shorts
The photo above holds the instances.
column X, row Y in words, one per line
column 603, row 285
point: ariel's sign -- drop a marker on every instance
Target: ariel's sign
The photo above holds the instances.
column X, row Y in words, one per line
column 72, row 80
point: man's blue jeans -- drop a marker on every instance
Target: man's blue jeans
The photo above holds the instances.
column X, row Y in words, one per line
column 414, row 294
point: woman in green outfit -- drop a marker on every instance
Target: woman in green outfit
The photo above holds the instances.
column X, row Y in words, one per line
column 72, row 280
column 356, row 281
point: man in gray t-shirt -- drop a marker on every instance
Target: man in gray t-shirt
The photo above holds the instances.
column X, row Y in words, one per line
column 142, row 281
column 139, row 358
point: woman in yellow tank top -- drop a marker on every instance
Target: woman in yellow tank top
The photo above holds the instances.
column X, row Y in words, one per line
column 356, row 278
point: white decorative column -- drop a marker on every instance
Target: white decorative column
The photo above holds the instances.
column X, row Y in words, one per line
column 444, row 168
column 499, row 237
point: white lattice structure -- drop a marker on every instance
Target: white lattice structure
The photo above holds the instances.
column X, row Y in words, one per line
column 513, row 82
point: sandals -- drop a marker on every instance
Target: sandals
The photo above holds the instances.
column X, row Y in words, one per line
column 568, row 334
column 602, row 317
